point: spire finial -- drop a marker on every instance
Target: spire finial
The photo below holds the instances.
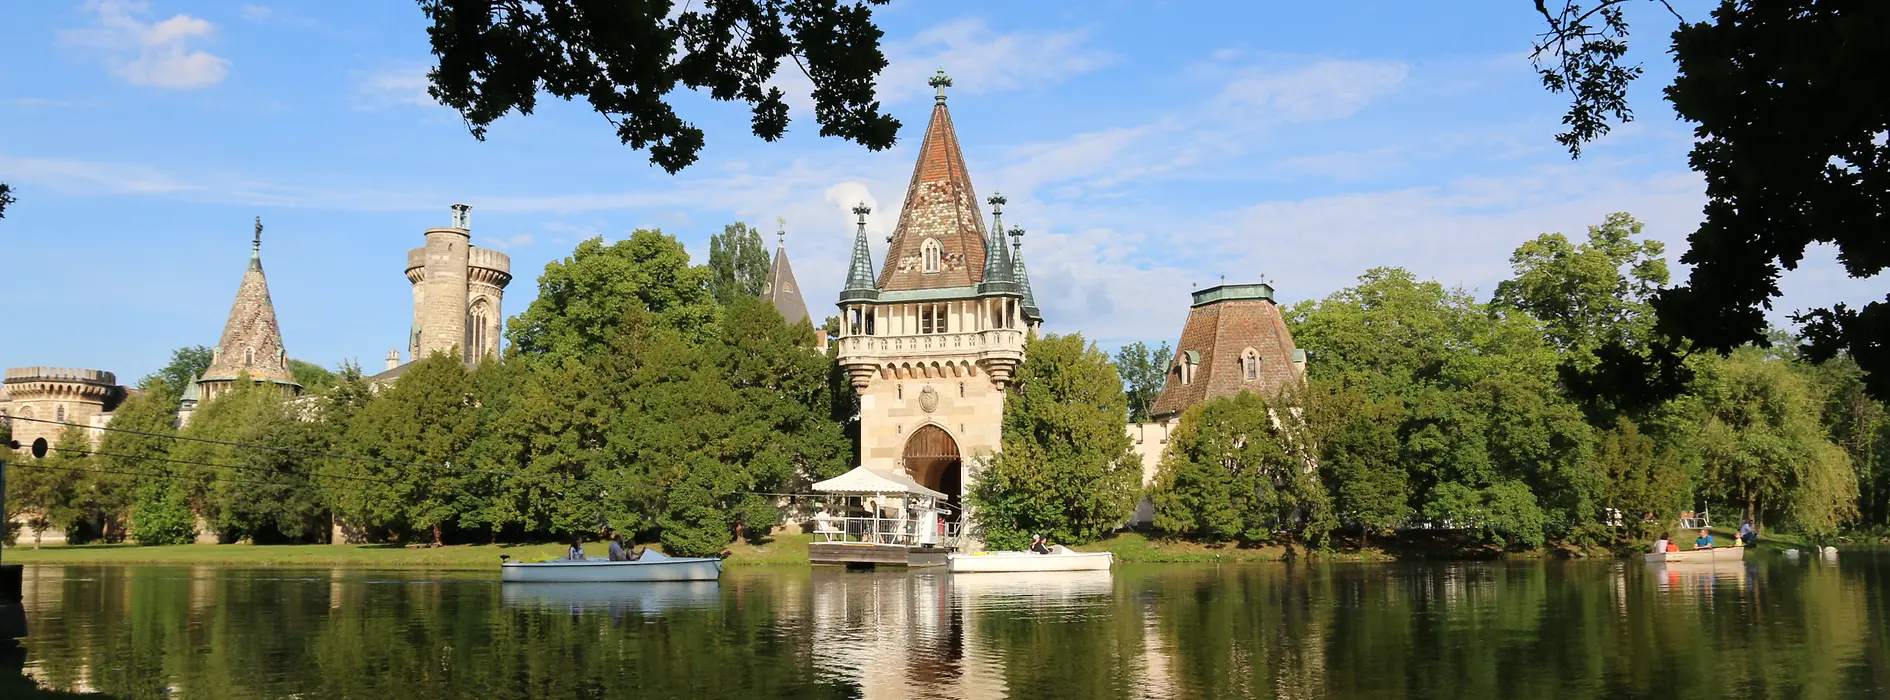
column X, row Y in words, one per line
column 997, row 202
column 862, row 210
column 255, row 246
column 1017, row 237
column 940, row 81
column 780, row 231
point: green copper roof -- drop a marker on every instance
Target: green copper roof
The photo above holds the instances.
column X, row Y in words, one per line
column 860, row 285
column 1233, row 292
column 1023, row 278
column 997, row 267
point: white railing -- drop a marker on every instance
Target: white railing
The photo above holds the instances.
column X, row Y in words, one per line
column 896, row 531
column 985, row 340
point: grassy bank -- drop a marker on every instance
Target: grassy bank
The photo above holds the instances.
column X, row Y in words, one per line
column 778, row 550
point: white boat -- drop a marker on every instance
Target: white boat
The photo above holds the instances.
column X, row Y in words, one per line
column 1060, row 558
column 643, row 598
column 1715, row 554
column 652, row 566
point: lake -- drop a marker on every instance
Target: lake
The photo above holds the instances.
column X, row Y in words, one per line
column 1767, row 627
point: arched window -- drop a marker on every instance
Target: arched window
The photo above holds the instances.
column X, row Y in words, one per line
column 901, row 389
column 249, row 357
column 930, row 252
column 1250, row 364
column 59, row 414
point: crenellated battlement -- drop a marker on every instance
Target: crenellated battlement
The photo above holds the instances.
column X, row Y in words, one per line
column 22, row 375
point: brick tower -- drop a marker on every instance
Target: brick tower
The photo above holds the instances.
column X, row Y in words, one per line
column 458, row 290
column 931, row 342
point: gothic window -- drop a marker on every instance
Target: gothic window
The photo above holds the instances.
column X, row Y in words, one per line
column 925, row 318
column 929, row 254
column 59, row 414
column 1250, row 364
column 941, row 312
column 853, row 321
column 901, row 389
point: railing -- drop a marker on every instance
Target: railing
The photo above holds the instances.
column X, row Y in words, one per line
column 901, row 532
column 990, row 339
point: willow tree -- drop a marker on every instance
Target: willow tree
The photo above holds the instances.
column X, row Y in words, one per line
column 1765, row 450
column 1067, row 470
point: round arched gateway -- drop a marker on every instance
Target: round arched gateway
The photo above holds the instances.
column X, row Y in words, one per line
column 931, row 458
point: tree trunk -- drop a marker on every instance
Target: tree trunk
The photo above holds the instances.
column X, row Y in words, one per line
column 436, row 534
column 495, row 536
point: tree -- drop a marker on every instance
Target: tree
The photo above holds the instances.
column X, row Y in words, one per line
column 314, row 378
column 1504, row 511
column 1237, row 468
column 6, row 198
column 1067, row 469
column 738, row 263
column 46, row 491
column 1764, row 450
column 1143, row 372
column 1358, row 453
column 1590, row 294
column 186, row 365
column 1644, row 482
column 1786, row 96
column 625, row 59
column 581, row 298
column 414, row 431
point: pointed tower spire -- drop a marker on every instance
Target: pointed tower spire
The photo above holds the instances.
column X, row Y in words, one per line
column 251, row 343
column 860, row 285
column 1031, row 313
column 782, row 291
column 939, row 242
column 997, row 265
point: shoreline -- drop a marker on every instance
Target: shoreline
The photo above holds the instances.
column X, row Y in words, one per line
column 785, row 549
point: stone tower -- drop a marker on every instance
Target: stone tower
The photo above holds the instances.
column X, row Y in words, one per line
column 1235, row 340
column 457, row 293
column 931, row 342
column 60, row 394
column 252, row 342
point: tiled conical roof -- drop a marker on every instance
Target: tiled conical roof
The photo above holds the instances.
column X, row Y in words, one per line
column 782, row 291
column 1211, row 359
column 1022, row 278
column 860, row 285
column 251, row 340
column 997, row 265
column 940, row 205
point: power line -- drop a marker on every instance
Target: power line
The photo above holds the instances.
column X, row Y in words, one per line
column 159, row 475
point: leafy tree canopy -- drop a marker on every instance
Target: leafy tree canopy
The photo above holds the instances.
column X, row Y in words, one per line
column 625, row 58
column 186, row 365
column 1237, row 468
column 1787, row 98
column 738, row 262
column 1143, row 371
column 1067, row 469
column 582, row 297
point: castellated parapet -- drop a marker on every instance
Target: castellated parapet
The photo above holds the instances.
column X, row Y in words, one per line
column 64, row 394
column 458, row 293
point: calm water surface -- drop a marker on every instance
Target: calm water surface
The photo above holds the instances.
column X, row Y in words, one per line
column 1768, row 628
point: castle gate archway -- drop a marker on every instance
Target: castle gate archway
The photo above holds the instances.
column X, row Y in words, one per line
column 931, row 458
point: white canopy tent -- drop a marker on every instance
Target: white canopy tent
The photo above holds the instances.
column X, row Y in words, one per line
column 863, row 480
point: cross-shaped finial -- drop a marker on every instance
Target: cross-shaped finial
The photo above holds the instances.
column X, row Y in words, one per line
column 780, row 231
column 1223, row 279
column 997, row 202
column 940, row 81
column 862, row 210
column 1017, row 237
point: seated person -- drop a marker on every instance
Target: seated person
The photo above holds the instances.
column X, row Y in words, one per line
column 1705, row 540
column 1660, row 545
column 1748, row 534
column 637, row 554
column 576, row 552
column 616, row 549
column 1039, row 545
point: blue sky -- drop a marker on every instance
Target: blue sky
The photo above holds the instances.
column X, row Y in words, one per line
column 1145, row 146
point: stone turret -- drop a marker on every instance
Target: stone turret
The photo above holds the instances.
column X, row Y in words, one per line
column 251, row 344
column 458, row 293
column 63, row 395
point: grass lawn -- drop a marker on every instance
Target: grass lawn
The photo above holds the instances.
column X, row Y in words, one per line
column 783, row 549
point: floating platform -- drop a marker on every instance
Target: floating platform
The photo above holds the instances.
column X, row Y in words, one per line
column 868, row 554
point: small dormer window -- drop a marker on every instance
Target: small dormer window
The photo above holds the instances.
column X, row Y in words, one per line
column 930, row 253
column 249, row 357
column 1250, row 364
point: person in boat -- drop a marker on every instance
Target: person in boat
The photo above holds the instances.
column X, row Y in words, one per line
column 1039, row 545
column 1705, row 540
column 1748, row 534
column 616, row 549
column 576, row 552
column 1660, row 545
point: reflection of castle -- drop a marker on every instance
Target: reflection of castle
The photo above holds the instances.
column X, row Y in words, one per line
column 931, row 342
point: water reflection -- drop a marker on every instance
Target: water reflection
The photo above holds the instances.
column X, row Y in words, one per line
column 1766, row 627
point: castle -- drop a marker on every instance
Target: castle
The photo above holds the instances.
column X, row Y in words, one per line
column 458, row 297
column 929, row 344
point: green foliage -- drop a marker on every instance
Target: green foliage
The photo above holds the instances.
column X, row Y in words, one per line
column 1143, row 371
column 415, row 430
column 6, row 198
column 738, row 263
column 1505, row 511
column 624, row 60
column 1591, row 294
column 1067, row 469
column 261, row 493
column 1237, row 468
column 46, row 493
column 314, row 378
column 1763, row 448
column 186, row 365
column 1642, row 480
column 1358, row 454
column 582, row 297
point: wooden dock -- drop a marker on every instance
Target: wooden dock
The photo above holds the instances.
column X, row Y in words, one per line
column 868, row 554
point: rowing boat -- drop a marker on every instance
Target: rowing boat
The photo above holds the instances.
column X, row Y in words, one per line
column 1060, row 558
column 1715, row 554
column 652, row 566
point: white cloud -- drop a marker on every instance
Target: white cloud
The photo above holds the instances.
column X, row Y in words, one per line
column 149, row 54
column 518, row 241
column 393, row 86
column 71, row 175
column 1330, row 89
column 980, row 59
column 257, row 13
